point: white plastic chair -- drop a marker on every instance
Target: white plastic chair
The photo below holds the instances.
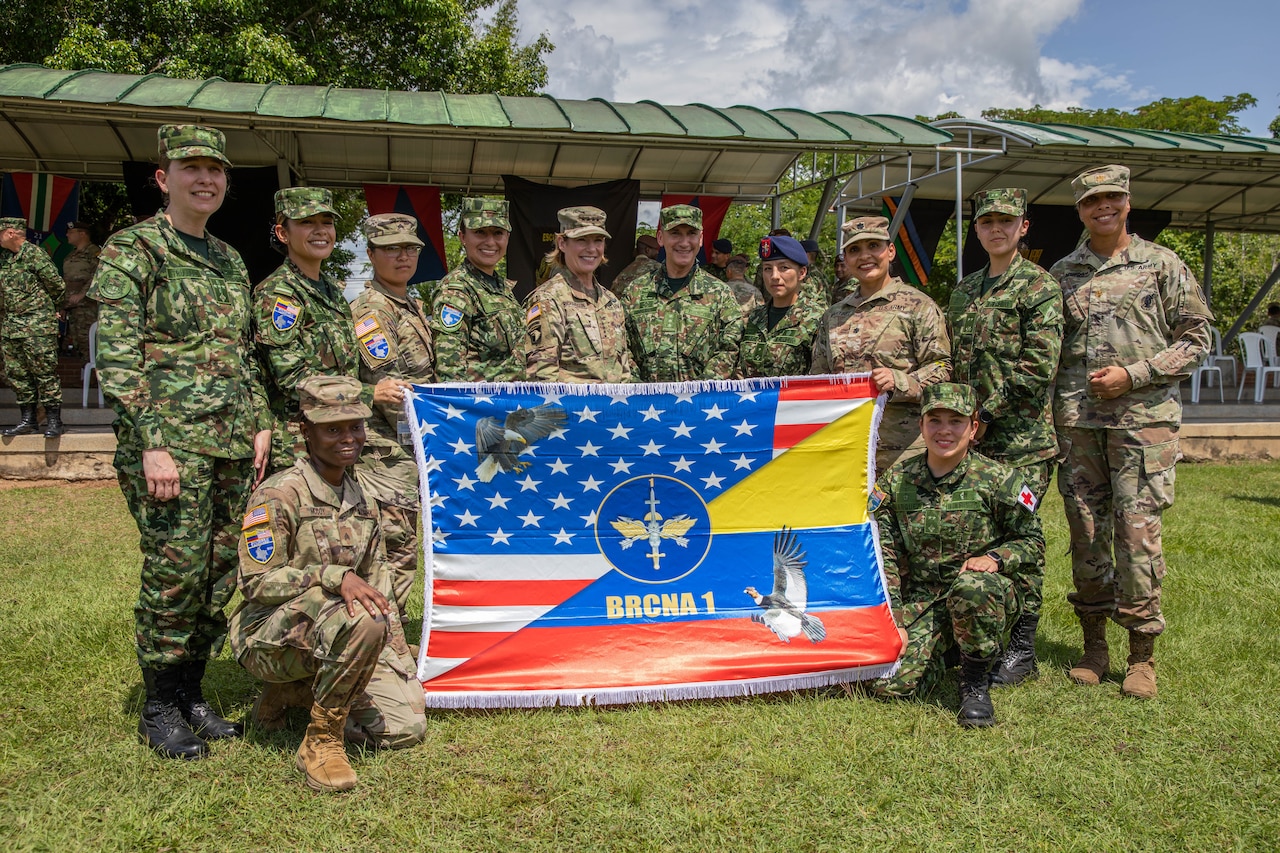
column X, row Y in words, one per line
column 1253, row 345
column 90, row 368
column 1269, row 333
column 1203, row 369
column 1216, row 356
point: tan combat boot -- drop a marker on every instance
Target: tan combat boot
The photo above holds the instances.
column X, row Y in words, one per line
column 321, row 755
column 275, row 699
column 1140, row 679
column 1097, row 659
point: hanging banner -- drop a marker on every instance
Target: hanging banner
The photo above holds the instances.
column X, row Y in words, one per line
column 423, row 204
column 713, row 209
column 49, row 203
column 596, row 544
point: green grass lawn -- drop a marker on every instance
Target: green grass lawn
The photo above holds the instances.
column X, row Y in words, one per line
column 1068, row 768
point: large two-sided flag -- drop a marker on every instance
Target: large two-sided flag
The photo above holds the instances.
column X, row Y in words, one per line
column 423, row 204
column 49, row 203
column 621, row 543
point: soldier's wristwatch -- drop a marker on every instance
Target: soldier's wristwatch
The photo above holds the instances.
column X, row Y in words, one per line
column 999, row 562
column 985, row 417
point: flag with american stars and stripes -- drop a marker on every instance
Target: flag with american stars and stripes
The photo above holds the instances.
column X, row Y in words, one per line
column 619, row 543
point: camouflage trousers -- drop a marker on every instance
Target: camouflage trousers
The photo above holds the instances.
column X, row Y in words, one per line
column 1115, row 485
column 32, row 367
column 361, row 663
column 189, row 556
column 79, row 319
column 975, row 614
column 1036, row 475
column 390, row 477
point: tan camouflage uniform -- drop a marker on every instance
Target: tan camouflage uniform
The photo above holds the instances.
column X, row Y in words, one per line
column 293, row 625
column 402, row 323
column 31, row 292
column 78, row 268
column 897, row 327
column 319, row 339
column 175, row 358
column 1141, row 310
column 575, row 338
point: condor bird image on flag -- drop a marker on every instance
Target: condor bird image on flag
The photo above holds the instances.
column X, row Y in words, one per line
column 621, row 543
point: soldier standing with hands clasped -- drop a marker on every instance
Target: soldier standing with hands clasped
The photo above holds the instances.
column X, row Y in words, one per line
column 175, row 355
column 1136, row 323
column 31, row 293
column 1005, row 322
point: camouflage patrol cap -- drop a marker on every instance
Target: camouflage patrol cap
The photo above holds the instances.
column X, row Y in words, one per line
column 1010, row 200
column 680, row 214
column 581, row 221
column 486, row 213
column 325, row 399
column 1101, row 179
column 949, row 395
column 181, row 141
column 391, row 229
column 301, row 202
column 14, row 222
column 865, row 228
column 740, row 260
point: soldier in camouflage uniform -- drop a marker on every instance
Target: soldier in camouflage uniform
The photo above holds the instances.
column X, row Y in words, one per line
column 317, row 622
column 77, row 269
column 175, row 357
column 749, row 298
column 31, row 293
column 956, row 529
column 1136, row 323
column 476, row 323
column 303, row 327
column 717, row 264
column 577, row 328
column 778, row 340
column 1005, row 322
column 391, row 320
column 682, row 323
column 889, row 328
column 843, row 283
column 646, row 259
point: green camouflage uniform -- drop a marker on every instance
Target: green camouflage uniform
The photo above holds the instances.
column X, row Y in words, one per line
column 784, row 350
column 691, row 334
column 175, row 358
column 1005, row 343
column 478, row 328
column 748, row 297
column 897, row 327
column 31, row 292
column 78, row 268
column 838, row 290
column 395, row 343
column 299, row 538
column 318, row 338
column 1141, row 310
column 928, row 528
column 574, row 337
column 639, row 266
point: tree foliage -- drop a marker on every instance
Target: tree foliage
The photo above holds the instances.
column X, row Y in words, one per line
column 465, row 46
column 1196, row 114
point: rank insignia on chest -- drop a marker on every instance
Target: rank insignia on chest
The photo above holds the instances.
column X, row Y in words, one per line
column 260, row 544
column 450, row 317
column 876, row 498
column 285, row 314
column 376, row 345
column 255, row 516
column 367, row 325
column 1027, row 499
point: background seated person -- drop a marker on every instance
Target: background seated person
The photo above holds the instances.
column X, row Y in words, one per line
column 318, row 622
column 956, row 529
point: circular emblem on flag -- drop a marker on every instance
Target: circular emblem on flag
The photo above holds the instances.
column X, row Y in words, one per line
column 653, row 529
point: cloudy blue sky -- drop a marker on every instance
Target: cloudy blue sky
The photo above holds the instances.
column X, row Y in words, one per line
column 913, row 56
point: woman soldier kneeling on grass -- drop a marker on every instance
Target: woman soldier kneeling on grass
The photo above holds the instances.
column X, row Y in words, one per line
column 318, row 622
column 956, row 529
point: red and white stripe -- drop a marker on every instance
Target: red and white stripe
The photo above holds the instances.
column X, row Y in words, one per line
column 807, row 405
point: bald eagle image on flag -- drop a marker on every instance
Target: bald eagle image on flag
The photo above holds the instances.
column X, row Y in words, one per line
column 596, row 544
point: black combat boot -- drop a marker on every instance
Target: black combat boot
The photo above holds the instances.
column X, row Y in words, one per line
column 198, row 713
column 27, row 425
column 53, row 428
column 162, row 727
column 975, row 701
column 1019, row 661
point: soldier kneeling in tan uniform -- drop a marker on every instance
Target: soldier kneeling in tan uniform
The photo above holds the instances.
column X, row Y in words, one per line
column 318, row 622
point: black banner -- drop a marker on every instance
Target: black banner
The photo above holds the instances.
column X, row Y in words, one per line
column 534, row 224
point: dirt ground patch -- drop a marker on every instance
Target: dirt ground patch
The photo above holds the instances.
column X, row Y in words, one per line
column 8, row 485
